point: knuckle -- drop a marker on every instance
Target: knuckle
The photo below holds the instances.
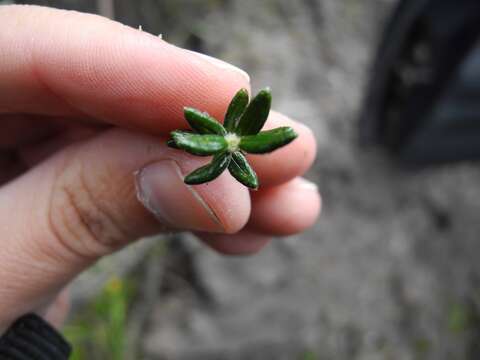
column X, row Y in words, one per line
column 80, row 219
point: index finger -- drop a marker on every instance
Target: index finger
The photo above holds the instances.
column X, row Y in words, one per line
column 57, row 62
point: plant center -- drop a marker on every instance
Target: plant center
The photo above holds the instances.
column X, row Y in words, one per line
column 233, row 141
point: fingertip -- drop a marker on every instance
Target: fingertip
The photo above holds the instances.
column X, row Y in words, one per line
column 210, row 83
column 286, row 209
column 108, row 71
column 290, row 161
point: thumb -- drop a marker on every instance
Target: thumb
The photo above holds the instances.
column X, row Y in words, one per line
column 83, row 203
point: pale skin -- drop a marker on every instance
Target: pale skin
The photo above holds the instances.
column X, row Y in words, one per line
column 86, row 105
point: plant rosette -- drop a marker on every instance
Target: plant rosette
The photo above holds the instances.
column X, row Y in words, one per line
column 228, row 143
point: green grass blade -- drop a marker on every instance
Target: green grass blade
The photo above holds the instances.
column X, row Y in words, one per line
column 235, row 109
column 241, row 170
column 267, row 141
column 202, row 145
column 256, row 114
column 203, row 123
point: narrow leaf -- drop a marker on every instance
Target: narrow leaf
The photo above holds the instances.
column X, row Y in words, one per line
column 242, row 171
column 210, row 171
column 235, row 109
column 196, row 144
column 203, row 123
column 267, row 141
column 256, row 114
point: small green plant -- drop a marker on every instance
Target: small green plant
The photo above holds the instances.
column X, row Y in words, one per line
column 228, row 143
column 308, row 355
column 459, row 318
column 100, row 332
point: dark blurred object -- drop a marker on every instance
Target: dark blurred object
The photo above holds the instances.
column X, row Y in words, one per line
column 423, row 98
column 31, row 337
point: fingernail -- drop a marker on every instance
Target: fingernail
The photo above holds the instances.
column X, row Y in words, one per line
column 160, row 188
column 221, row 64
column 305, row 184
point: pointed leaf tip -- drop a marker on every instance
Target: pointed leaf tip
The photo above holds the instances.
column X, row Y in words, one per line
column 241, row 170
column 203, row 123
column 268, row 141
column 171, row 143
column 235, row 109
column 256, row 113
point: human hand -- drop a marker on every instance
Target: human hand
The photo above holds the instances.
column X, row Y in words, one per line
column 86, row 105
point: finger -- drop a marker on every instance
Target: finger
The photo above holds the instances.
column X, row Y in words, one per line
column 290, row 161
column 10, row 166
column 81, row 204
column 285, row 209
column 245, row 242
column 18, row 130
column 273, row 169
column 34, row 154
column 59, row 62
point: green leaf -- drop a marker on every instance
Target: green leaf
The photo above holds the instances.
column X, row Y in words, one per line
column 256, row 114
column 235, row 109
column 210, row 171
column 242, row 171
column 203, row 123
column 196, row 144
column 267, row 141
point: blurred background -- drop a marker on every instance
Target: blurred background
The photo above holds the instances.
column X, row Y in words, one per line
column 391, row 271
